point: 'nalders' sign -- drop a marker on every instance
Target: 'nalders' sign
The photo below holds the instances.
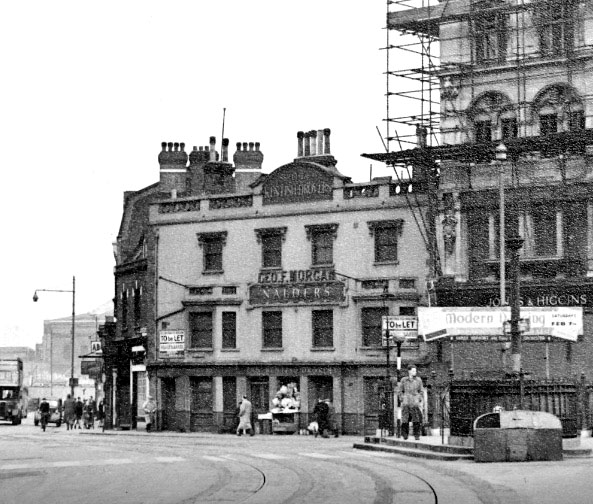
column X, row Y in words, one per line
column 171, row 343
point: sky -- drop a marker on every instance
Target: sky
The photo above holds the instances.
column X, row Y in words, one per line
column 91, row 89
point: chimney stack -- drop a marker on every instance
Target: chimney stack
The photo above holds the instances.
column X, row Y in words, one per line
column 315, row 144
column 173, row 167
column 248, row 165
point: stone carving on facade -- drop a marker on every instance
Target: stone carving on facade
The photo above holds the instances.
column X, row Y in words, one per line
column 449, row 231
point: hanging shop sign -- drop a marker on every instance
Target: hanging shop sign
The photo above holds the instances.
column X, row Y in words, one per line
column 297, row 183
column 297, row 293
column 488, row 324
column 171, row 343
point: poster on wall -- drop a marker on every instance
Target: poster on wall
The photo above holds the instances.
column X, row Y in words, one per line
column 488, row 324
column 171, row 343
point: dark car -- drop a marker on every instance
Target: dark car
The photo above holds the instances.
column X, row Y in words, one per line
column 55, row 412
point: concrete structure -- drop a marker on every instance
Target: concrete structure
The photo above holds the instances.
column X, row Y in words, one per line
column 259, row 280
column 513, row 73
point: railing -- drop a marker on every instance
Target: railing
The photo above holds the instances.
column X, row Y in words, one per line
column 179, row 206
column 567, row 399
column 231, row 202
column 366, row 191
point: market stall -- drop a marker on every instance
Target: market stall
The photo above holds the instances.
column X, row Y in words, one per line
column 286, row 410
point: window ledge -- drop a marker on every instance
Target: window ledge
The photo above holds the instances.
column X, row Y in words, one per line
column 323, row 349
column 324, row 265
column 276, row 349
column 271, row 268
column 200, row 349
column 374, row 348
column 385, row 263
column 230, row 350
column 212, row 272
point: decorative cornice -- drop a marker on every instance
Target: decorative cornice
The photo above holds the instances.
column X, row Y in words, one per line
column 209, row 237
column 321, row 228
column 212, row 302
column 261, row 232
column 397, row 224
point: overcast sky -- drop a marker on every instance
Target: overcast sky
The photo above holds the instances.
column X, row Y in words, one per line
column 90, row 90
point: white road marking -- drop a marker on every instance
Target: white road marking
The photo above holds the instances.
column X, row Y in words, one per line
column 268, row 456
column 87, row 463
column 170, row 459
column 319, row 455
column 215, row 459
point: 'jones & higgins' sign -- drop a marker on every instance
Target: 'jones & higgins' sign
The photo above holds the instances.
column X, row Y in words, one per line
column 296, row 183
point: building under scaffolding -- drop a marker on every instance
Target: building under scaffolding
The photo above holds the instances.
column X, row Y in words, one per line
column 512, row 74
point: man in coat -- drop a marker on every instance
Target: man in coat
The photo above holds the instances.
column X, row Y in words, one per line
column 69, row 412
column 321, row 414
column 411, row 394
column 245, row 417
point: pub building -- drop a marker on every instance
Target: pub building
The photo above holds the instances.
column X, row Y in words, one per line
column 265, row 280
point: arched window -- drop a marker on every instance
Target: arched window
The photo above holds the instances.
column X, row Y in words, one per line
column 558, row 108
column 493, row 117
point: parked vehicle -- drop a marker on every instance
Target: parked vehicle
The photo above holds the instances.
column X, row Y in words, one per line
column 13, row 400
column 55, row 413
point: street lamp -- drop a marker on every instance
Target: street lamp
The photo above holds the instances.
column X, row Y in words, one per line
column 73, row 291
column 501, row 157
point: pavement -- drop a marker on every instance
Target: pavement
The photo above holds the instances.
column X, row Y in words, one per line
column 567, row 481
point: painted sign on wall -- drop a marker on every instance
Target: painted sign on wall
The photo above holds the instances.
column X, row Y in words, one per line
column 298, row 293
column 297, row 183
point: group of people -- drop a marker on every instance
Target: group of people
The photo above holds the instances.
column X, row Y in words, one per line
column 77, row 411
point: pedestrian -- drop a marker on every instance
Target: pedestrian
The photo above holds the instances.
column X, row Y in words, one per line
column 411, row 394
column 100, row 413
column 244, row 417
column 44, row 413
column 332, row 419
column 69, row 412
column 149, row 408
column 321, row 414
column 78, row 411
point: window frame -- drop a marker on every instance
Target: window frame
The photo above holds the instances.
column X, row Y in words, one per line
column 372, row 333
column 272, row 330
column 491, row 38
column 195, row 331
column 212, row 245
column 229, row 334
column 322, row 331
column 316, row 233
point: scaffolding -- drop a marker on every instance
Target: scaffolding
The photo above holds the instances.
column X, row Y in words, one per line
column 447, row 58
column 422, row 85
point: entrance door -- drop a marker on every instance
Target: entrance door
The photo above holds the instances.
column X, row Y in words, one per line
column 372, row 403
column 320, row 387
column 168, row 403
column 259, row 394
column 229, row 403
column 201, row 406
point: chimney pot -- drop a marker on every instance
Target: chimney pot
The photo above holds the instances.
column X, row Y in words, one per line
column 182, row 146
column 250, row 146
column 257, row 146
column 238, row 146
column 164, row 146
column 326, row 134
column 244, row 146
column 195, row 148
column 170, row 146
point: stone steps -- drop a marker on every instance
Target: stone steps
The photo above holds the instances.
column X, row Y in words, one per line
column 421, row 449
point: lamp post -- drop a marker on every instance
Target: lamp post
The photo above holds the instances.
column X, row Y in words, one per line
column 501, row 157
column 73, row 291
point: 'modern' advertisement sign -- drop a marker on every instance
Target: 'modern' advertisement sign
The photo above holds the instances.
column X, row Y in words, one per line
column 487, row 324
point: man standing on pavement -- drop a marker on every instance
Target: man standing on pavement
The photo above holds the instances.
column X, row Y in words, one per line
column 69, row 413
column 149, row 408
column 245, row 417
column 411, row 394
column 78, row 410
column 321, row 414
column 44, row 412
